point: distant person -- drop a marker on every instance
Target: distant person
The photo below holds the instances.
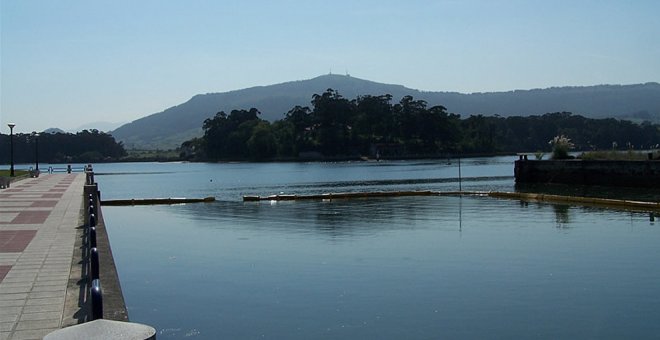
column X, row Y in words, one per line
column 68, row 169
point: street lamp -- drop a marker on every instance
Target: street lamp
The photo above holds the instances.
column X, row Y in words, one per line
column 11, row 148
column 36, row 151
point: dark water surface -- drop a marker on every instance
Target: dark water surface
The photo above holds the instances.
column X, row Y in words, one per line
column 399, row 268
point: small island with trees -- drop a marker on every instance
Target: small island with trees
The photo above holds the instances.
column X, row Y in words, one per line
column 373, row 127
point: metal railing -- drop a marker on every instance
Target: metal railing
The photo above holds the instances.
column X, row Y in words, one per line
column 95, row 290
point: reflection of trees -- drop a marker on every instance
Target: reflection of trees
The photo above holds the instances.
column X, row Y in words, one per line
column 332, row 218
column 561, row 215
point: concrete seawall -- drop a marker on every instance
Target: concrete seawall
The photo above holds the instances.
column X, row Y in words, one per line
column 114, row 307
column 582, row 172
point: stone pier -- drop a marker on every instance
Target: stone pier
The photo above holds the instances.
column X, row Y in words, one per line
column 42, row 275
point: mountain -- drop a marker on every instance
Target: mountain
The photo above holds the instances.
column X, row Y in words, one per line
column 54, row 130
column 101, row 126
column 169, row 128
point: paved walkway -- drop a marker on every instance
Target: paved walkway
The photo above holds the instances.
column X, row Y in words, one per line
column 38, row 221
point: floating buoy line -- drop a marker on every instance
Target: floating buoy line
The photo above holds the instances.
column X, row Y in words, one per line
column 154, row 201
column 579, row 200
column 628, row 204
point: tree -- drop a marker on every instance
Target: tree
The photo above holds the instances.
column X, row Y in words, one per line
column 261, row 144
column 337, row 126
column 226, row 136
column 332, row 117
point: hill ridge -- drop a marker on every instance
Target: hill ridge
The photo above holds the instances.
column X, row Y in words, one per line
column 168, row 128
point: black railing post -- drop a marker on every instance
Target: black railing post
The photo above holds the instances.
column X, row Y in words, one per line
column 92, row 237
column 90, row 177
column 94, row 263
column 97, row 300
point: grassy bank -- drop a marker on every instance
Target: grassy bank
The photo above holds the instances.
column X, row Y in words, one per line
column 17, row 173
column 613, row 155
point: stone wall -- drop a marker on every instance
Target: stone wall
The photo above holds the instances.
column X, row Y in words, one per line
column 612, row 173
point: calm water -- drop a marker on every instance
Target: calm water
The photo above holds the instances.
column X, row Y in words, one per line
column 413, row 268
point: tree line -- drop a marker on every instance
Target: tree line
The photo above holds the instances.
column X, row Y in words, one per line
column 375, row 126
column 82, row 147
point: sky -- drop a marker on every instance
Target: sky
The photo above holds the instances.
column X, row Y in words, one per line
column 66, row 63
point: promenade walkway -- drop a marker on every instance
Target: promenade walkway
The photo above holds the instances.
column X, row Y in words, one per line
column 38, row 224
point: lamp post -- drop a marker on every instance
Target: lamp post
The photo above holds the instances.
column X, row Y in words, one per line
column 11, row 148
column 36, row 151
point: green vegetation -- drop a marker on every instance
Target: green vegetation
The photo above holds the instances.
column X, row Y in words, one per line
column 372, row 126
column 151, row 156
column 17, row 173
column 560, row 147
column 614, row 155
column 82, row 147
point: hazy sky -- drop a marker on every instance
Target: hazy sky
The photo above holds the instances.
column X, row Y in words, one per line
column 65, row 63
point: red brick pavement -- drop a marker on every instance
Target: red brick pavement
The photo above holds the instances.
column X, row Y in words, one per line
column 28, row 217
column 14, row 241
column 3, row 271
column 43, row 204
column 38, row 220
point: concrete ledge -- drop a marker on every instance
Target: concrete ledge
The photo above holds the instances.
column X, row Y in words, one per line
column 104, row 329
column 77, row 308
column 114, row 307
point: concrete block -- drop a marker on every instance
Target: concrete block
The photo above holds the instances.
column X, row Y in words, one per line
column 104, row 329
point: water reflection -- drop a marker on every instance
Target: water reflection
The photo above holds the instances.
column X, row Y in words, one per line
column 383, row 268
column 561, row 215
column 376, row 268
column 229, row 181
column 642, row 194
column 336, row 218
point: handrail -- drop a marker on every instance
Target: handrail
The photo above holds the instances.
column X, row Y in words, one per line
column 95, row 291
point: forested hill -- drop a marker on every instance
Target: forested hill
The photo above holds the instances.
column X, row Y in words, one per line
column 167, row 129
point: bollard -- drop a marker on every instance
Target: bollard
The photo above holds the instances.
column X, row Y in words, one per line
column 97, row 300
column 92, row 220
column 94, row 263
column 104, row 329
column 92, row 237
